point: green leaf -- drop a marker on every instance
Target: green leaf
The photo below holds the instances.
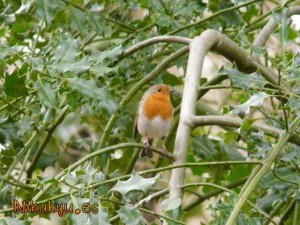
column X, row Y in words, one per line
column 108, row 106
column 292, row 34
column 37, row 64
column 230, row 137
column 111, row 54
column 135, row 182
column 78, row 20
column 47, row 160
column 100, row 69
column 131, row 216
column 24, row 8
column 171, row 79
column 14, row 85
column 170, row 204
column 101, row 217
column 81, row 218
column 22, row 27
column 175, row 213
column 293, row 154
column 6, row 51
column 204, row 147
column 255, row 101
column 245, row 128
column 294, row 69
column 5, row 193
column 8, row 133
column 267, row 202
column 73, row 67
column 282, row 17
column 46, row 93
column 97, row 22
column 46, row 9
column 232, row 152
column 7, row 155
column 294, row 103
column 88, row 88
column 68, row 50
column 244, row 42
column 270, row 180
column 242, row 80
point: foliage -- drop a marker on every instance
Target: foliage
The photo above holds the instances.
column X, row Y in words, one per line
column 69, row 95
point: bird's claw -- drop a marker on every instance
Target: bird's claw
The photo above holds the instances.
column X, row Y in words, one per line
column 164, row 151
column 146, row 151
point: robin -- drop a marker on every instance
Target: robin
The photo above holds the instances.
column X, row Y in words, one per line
column 154, row 117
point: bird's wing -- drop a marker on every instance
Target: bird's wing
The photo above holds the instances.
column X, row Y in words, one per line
column 135, row 129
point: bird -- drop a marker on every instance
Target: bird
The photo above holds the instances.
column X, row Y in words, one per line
column 154, row 117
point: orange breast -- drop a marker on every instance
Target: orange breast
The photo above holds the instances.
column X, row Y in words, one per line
column 158, row 105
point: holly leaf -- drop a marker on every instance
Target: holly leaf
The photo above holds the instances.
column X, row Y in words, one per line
column 67, row 50
column 73, row 67
column 47, row 160
column 100, row 69
column 294, row 103
column 46, row 9
column 24, row 8
column 232, row 152
column 88, row 88
column 267, row 202
column 112, row 54
column 170, row 204
column 14, row 85
column 243, row 41
column 101, row 217
column 131, row 216
column 282, row 17
column 78, row 20
column 46, row 93
column 135, row 182
column 81, row 218
column 242, row 80
column 286, row 174
column 7, row 155
column 244, row 109
column 171, row 79
column 97, row 22
column 204, row 147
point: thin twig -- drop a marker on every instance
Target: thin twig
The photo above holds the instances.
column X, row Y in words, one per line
column 220, row 12
column 282, row 102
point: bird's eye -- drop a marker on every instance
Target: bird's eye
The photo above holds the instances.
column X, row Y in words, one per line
column 159, row 90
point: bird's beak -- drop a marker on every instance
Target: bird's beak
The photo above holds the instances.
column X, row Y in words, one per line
column 172, row 91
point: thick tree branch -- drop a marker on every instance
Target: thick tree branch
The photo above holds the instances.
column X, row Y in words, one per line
column 209, row 40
